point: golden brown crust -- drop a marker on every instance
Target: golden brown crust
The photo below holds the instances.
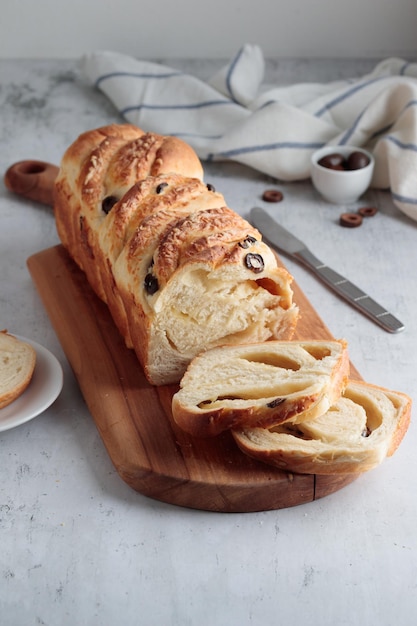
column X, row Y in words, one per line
column 105, row 163
column 360, row 430
column 209, row 236
column 260, row 385
column 17, row 364
column 129, row 236
column 134, row 214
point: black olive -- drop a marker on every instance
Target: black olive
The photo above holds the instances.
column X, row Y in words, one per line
column 160, row 187
column 247, row 242
column 108, row 203
column 151, row 284
column 272, row 195
column 333, row 161
column 357, row 160
column 211, row 187
column 368, row 211
column 254, row 262
column 274, row 403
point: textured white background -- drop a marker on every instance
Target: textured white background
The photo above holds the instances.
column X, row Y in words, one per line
column 190, row 29
column 78, row 547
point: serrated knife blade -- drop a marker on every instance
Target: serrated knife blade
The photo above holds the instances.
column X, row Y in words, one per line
column 286, row 242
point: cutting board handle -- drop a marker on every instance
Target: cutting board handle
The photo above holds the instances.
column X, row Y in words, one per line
column 33, row 180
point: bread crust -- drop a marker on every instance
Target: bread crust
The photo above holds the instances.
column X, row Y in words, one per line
column 365, row 426
column 260, row 385
column 17, row 364
column 105, row 163
column 166, row 234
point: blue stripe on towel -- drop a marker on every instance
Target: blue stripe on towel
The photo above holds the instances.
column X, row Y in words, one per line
column 351, row 130
column 403, row 69
column 268, row 146
column 176, row 107
column 145, row 75
column 346, row 95
column 382, row 131
column 403, row 199
column 401, row 144
column 404, row 146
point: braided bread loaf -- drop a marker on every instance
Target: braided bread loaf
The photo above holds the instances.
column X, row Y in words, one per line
column 179, row 270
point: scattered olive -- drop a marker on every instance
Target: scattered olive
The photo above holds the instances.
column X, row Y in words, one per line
column 211, row 187
column 368, row 211
column 272, row 195
column 350, row 220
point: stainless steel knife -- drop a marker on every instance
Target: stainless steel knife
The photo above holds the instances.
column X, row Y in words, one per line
column 286, row 242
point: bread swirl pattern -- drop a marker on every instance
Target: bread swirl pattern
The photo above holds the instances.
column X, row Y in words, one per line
column 364, row 426
column 260, row 385
column 179, row 270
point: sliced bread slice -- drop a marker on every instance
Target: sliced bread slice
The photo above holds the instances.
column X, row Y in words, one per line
column 260, row 385
column 356, row 434
column 17, row 364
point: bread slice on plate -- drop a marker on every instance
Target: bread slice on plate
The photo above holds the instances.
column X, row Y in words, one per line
column 356, row 434
column 260, row 385
column 17, row 364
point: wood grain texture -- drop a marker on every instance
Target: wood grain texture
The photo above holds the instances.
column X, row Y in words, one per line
column 148, row 450
column 33, row 180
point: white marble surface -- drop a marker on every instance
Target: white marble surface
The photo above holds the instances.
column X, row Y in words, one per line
column 78, row 546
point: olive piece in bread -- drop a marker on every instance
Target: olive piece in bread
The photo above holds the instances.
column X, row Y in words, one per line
column 366, row 425
column 260, row 385
column 163, row 251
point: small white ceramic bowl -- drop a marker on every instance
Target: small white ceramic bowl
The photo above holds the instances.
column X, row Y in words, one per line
column 341, row 186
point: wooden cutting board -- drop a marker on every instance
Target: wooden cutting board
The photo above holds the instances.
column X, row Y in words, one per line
column 148, row 450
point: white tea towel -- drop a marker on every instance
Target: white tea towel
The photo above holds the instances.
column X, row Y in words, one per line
column 273, row 129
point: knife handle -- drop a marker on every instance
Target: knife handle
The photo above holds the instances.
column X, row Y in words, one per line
column 350, row 292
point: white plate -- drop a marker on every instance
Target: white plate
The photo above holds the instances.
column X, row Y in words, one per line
column 43, row 389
